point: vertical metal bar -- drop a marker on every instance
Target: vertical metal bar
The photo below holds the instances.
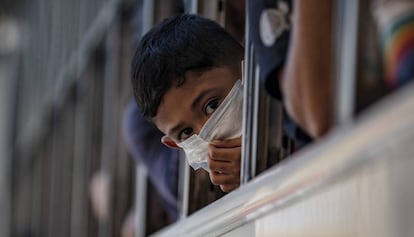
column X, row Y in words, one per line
column 110, row 119
column 255, row 116
column 147, row 10
column 4, row 158
column 259, row 141
column 221, row 13
column 184, row 186
column 245, row 173
column 255, row 120
column 275, row 148
column 261, row 127
column 67, row 141
column 140, row 200
column 54, row 187
column 194, row 7
column 147, row 15
column 9, row 45
column 346, row 51
column 191, row 7
column 79, row 184
column 246, row 74
column 209, row 9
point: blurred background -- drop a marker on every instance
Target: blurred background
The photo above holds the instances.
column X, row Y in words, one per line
column 64, row 83
column 65, row 169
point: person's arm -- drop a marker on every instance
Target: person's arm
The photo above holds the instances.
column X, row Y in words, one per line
column 306, row 81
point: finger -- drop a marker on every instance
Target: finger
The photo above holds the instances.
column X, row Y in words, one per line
column 229, row 143
column 224, row 167
column 229, row 187
column 224, row 154
column 224, row 179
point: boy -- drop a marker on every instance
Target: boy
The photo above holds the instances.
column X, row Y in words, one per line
column 182, row 70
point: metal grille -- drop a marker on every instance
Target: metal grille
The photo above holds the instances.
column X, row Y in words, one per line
column 69, row 97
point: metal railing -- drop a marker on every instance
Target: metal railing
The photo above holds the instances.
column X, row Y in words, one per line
column 67, row 113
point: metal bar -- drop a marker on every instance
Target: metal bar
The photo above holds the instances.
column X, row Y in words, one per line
column 141, row 179
column 275, row 148
column 82, row 130
column 184, row 186
column 260, row 126
column 110, row 119
column 194, row 6
column 140, row 201
column 54, row 186
column 247, row 152
column 245, row 163
column 148, row 8
column 9, row 47
column 66, row 140
column 210, row 9
column 346, row 54
column 255, row 117
column 256, row 114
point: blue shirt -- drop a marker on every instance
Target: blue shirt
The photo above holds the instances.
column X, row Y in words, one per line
column 143, row 140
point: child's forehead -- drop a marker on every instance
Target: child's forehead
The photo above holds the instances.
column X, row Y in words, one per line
column 193, row 76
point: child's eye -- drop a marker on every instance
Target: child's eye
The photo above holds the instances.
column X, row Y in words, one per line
column 185, row 133
column 211, row 106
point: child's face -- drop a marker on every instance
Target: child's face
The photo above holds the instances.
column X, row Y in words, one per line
column 184, row 109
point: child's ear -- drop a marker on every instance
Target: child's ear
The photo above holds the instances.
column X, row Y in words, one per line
column 168, row 141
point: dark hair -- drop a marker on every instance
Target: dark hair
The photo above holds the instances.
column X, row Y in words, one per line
column 177, row 45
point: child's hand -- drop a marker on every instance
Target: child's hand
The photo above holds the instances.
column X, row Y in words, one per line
column 224, row 162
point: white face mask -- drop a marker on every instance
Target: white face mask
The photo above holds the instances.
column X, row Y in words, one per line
column 224, row 123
